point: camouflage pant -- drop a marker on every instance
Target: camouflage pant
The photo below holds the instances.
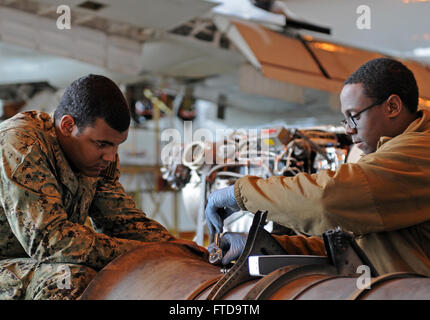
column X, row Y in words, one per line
column 31, row 280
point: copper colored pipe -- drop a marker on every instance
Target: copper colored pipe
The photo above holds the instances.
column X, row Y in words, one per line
column 169, row 271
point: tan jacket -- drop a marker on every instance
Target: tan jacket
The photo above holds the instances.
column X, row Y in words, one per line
column 384, row 199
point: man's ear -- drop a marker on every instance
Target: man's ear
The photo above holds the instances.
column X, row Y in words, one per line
column 394, row 106
column 67, row 123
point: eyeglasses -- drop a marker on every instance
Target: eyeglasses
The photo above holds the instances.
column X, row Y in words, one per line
column 350, row 121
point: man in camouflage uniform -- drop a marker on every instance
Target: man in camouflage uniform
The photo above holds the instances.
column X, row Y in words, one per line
column 54, row 174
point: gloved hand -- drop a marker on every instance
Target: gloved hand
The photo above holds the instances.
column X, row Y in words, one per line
column 232, row 245
column 221, row 204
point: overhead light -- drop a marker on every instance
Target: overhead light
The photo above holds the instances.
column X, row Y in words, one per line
column 329, row 47
column 422, row 52
column 308, row 37
column 415, row 1
column 420, row 37
column 424, row 102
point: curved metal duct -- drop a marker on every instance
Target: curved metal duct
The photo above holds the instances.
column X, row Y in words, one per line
column 168, row 271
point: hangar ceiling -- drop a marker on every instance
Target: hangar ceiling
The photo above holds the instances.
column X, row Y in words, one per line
column 192, row 40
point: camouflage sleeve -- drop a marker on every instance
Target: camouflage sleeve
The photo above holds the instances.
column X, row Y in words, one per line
column 113, row 212
column 32, row 201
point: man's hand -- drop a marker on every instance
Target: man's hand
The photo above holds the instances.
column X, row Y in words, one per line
column 221, row 204
column 232, row 245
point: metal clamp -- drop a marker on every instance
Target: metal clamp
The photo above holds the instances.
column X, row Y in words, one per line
column 259, row 242
column 215, row 257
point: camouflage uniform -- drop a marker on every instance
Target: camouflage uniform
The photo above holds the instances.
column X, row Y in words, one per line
column 46, row 250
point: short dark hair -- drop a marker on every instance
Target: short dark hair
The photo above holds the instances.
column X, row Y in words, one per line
column 91, row 97
column 382, row 77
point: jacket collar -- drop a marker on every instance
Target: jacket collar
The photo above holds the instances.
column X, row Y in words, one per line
column 421, row 124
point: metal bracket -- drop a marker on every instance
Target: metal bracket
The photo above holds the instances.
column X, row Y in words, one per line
column 344, row 253
column 259, row 242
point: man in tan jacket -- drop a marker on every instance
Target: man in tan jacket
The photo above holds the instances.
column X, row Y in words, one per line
column 384, row 198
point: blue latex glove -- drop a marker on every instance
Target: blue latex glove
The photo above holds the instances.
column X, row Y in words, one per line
column 221, row 204
column 232, row 245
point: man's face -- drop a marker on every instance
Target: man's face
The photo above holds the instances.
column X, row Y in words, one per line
column 93, row 148
column 369, row 125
